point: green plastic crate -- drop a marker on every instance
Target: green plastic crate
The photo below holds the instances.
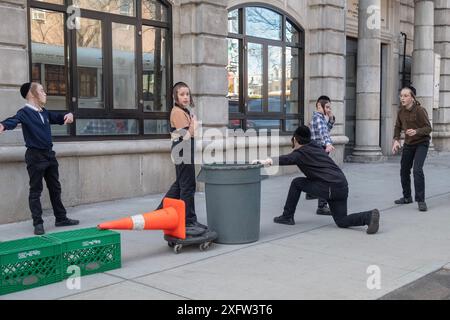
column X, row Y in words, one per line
column 92, row 250
column 29, row 263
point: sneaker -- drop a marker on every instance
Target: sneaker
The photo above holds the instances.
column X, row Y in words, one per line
column 422, row 206
column 284, row 220
column 66, row 223
column 194, row 231
column 404, row 200
column 310, row 197
column 374, row 222
column 196, row 224
column 200, row 225
column 324, row 211
column 39, row 229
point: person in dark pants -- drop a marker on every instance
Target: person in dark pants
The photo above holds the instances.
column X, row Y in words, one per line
column 413, row 119
column 321, row 124
column 39, row 157
column 182, row 123
column 323, row 179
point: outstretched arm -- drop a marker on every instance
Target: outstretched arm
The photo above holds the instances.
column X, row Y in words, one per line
column 284, row 160
column 10, row 123
column 57, row 118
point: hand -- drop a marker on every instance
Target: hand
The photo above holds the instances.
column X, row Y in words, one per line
column 395, row 147
column 330, row 114
column 411, row 132
column 267, row 163
column 329, row 148
column 2, row 128
column 68, row 118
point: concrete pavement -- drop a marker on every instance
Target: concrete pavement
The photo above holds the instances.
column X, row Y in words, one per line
column 310, row 260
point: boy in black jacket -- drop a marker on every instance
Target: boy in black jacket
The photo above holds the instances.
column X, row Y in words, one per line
column 39, row 157
column 324, row 179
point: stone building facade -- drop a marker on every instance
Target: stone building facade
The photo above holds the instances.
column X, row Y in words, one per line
column 359, row 53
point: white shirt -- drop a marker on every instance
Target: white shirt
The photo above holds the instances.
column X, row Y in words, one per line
column 37, row 110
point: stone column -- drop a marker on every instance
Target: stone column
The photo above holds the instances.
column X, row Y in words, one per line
column 200, row 57
column 13, row 72
column 422, row 72
column 13, row 63
column 327, row 64
column 367, row 138
column 441, row 125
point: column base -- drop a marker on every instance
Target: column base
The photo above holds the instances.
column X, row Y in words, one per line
column 366, row 155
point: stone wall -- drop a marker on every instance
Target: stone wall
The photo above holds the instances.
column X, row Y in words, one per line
column 441, row 133
column 326, row 59
column 14, row 61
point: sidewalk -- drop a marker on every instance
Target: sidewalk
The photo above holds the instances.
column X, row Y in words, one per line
column 311, row 260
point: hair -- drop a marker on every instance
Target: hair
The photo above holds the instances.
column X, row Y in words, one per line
column 412, row 91
column 177, row 86
column 302, row 134
column 323, row 100
column 33, row 88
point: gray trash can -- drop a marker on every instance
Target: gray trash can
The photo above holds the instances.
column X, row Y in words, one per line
column 233, row 201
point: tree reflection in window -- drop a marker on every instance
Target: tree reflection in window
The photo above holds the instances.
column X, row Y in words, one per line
column 123, row 7
column 264, row 23
column 265, row 69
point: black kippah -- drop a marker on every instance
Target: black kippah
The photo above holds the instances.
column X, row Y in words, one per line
column 24, row 89
column 303, row 133
column 179, row 83
column 413, row 90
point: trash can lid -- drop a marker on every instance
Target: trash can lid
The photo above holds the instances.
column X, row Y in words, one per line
column 234, row 166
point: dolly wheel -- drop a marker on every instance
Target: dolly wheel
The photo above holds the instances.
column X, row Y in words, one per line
column 177, row 248
column 204, row 246
column 171, row 244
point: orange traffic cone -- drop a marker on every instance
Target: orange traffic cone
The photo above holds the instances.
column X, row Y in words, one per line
column 171, row 219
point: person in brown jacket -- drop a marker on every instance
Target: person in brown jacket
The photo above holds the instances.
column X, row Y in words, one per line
column 413, row 119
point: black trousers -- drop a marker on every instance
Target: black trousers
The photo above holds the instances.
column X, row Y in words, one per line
column 413, row 156
column 42, row 164
column 185, row 185
column 335, row 195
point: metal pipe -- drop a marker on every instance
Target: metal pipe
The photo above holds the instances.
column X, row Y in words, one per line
column 405, row 36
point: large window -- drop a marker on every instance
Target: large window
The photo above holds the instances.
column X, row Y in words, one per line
column 265, row 69
column 111, row 66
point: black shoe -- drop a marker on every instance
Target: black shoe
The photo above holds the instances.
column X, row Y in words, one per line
column 200, row 225
column 39, row 230
column 324, row 211
column 422, row 206
column 310, row 197
column 374, row 222
column 284, row 220
column 404, row 200
column 195, row 224
column 66, row 223
column 192, row 231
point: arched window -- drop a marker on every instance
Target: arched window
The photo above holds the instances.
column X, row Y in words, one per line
column 108, row 62
column 265, row 69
